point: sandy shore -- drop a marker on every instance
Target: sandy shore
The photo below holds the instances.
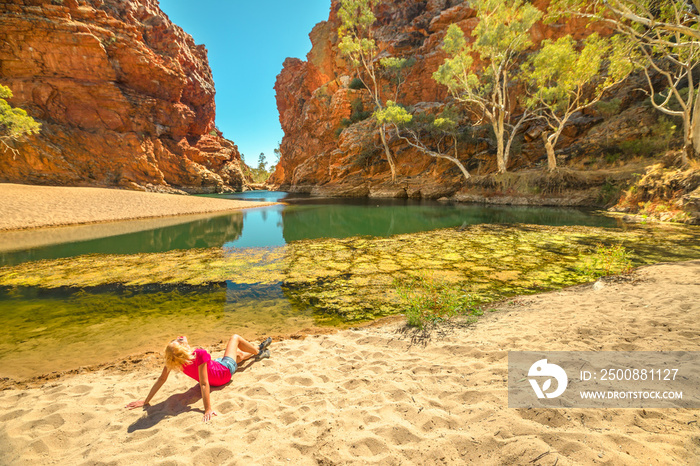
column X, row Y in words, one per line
column 378, row 395
column 24, row 206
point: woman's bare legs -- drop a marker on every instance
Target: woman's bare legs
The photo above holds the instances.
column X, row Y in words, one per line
column 240, row 349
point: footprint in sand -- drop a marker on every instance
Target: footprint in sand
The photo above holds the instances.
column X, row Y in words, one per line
column 257, row 391
column 296, row 380
column 79, row 390
column 54, row 407
column 369, row 446
column 12, row 415
column 399, row 435
column 45, row 424
column 213, row 455
column 288, row 418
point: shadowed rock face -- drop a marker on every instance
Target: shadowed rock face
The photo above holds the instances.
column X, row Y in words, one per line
column 125, row 98
column 321, row 155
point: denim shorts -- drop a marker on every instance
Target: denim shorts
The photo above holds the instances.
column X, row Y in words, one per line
column 228, row 362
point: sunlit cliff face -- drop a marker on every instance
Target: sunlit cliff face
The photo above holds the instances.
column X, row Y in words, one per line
column 124, row 96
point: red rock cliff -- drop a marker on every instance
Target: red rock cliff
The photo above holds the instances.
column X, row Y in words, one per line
column 124, row 96
column 320, row 154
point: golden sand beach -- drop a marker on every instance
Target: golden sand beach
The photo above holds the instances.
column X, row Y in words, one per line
column 378, row 395
column 25, row 206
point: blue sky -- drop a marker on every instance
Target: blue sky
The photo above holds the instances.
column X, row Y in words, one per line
column 247, row 43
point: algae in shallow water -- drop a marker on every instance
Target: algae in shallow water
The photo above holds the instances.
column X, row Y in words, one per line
column 63, row 309
column 46, row 330
column 353, row 277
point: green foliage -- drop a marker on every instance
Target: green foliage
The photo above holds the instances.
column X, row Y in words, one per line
column 559, row 72
column 15, row 123
column 396, row 69
column 610, row 191
column 664, row 128
column 654, row 144
column 673, row 104
column 356, row 19
column 261, row 173
column 357, row 106
column 448, row 119
column 661, row 38
column 609, row 108
column 358, row 45
column 356, row 14
column 106, row 42
column 357, row 114
column 639, row 147
column 611, row 158
column 456, row 72
column 393, row 113
column 561, row 76
column 501, row 36
column 278, row 153
column 364, row 158
column 445, row 124
column 395, row 64
column 356, row 84
column 427, row 303
column 606, row 260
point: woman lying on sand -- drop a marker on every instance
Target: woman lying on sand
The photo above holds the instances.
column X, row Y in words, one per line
column 198, row 364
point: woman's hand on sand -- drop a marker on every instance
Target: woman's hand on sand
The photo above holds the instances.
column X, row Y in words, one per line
column 136, row 404
column 209, row 414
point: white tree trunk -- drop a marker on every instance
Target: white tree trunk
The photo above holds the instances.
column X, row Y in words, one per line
column 418, row 145
column 387, row 151
column 549, row 147
column 454, row 160
column 500, row 146
column 694, row 132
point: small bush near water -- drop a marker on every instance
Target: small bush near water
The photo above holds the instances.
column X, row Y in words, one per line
column 428, row 303
column 607, row 260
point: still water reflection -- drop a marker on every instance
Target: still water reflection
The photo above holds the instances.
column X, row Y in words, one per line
column 43, row 329
column 300, row 217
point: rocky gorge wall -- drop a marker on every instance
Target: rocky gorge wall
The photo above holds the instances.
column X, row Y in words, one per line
column 322, row 154
column 124, row 96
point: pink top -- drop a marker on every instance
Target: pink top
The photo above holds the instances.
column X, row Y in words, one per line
column 218, row 373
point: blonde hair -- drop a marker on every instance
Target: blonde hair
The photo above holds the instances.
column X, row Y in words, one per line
column 178, row 355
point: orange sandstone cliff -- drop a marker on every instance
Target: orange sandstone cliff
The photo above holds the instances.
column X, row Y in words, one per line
column 124, row 96
column 322, row 154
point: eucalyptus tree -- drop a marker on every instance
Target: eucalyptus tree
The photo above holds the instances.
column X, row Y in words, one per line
column 396, row 70
column 399, row 118
column 666, row 35
column 498, row 41
column 15, row 123
column 358, row 45
column 564, row 79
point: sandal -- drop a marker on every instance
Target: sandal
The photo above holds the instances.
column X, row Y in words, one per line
column 264, row 344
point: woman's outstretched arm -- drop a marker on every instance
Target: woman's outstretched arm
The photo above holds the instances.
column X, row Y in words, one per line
column 204, row 386
column 156, row 386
